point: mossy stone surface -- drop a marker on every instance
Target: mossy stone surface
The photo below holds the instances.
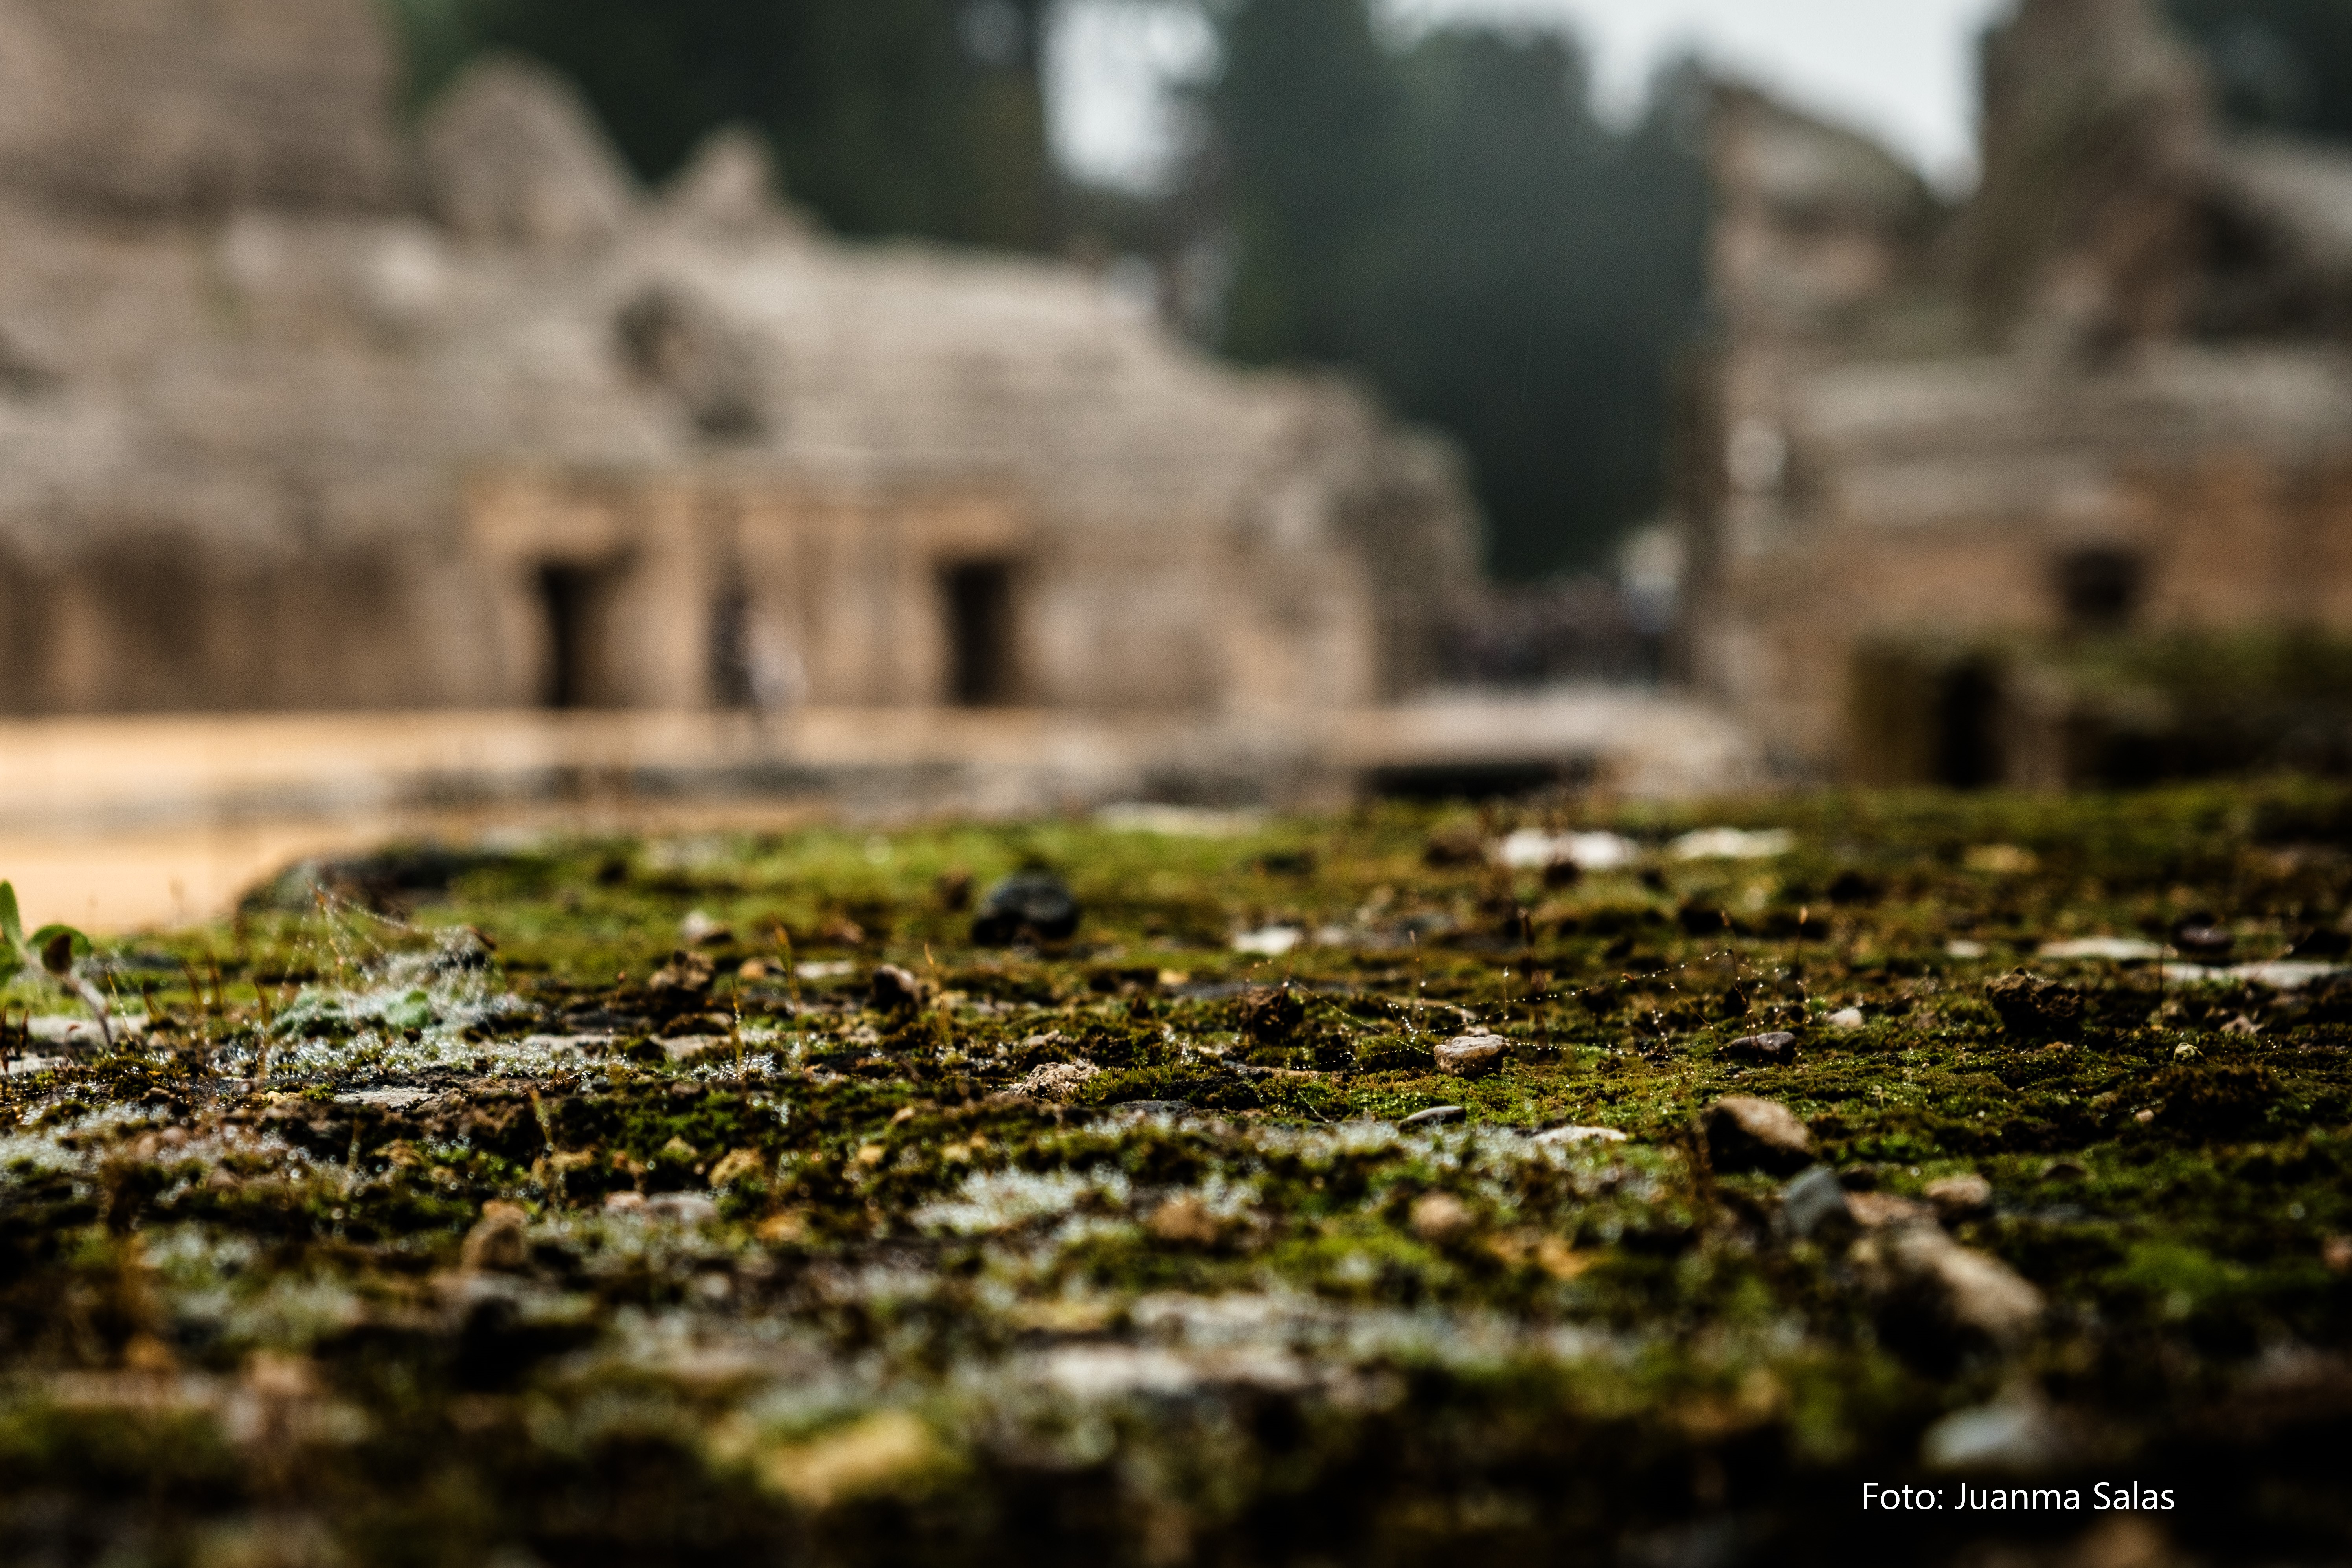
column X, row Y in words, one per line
column 598, row 1209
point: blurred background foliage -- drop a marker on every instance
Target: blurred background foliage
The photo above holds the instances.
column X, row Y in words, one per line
column 1450, row 219
column 892, row 117
column 1441, row 214
column 2278, row 65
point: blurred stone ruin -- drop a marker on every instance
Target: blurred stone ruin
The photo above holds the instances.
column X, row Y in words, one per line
column 302, row 410
column 2050, row 486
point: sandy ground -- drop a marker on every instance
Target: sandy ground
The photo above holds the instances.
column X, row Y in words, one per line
column 117, row 824
column 115, row 882
column 119, row 880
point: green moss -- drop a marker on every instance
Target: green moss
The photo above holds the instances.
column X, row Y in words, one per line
column 1216, row 1316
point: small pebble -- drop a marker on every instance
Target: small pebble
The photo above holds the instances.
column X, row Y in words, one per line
column 496, row 1241
column 1439, row 1217
column 1958, row 1197
column 1567, row 1136
column 1473, row 1055
column 1972, row 1293
column 2014, row 1434
column 1878, row 1210
column 1776, row 1048
column 1435, row 1116
column 1743, row 1133
column 1031, row 907
column 2203, row 941
column 1815, row 1202
column 698, row 930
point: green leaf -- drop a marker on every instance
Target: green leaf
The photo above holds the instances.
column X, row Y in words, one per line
column 11, row 927
column 60, row 947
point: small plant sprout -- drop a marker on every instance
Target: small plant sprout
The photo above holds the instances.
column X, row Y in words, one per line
column 56, row 952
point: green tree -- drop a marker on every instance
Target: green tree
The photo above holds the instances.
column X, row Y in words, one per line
column 2278, row 65
column 1314, row 129
column 917, row 117
column 1450, row 219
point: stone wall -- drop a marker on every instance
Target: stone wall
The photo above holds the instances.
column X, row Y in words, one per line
column 293, row 414
column 194, row 107
column 2066, row 409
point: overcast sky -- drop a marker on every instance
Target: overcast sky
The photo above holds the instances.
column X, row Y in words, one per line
column 1902, row 69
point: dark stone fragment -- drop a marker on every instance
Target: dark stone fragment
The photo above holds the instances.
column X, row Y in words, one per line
column 2322, row 942
column 501, row 1123
column 1455, row 846
column 1776, row 1049
column 895, row 989
column 498, row 1346
column 1130, row 981
column 1269, row 1015
column 2200, row 941
column 2034, row 1007
column 1852, row 888
column 1033, row 907
column 686, row 973
column 1703, row 920
column 1436, row 1116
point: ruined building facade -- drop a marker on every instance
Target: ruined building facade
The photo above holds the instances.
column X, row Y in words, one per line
column 2109, row 394
column 302, row 410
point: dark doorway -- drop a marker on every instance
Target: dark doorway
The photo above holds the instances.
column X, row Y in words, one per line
column 2099, row 589
column 571, row 600
column 1968, row 726
column 983, row 670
